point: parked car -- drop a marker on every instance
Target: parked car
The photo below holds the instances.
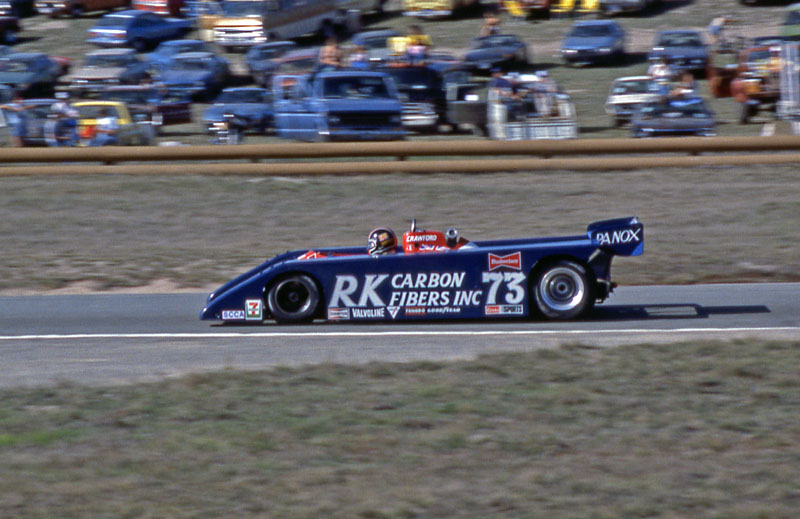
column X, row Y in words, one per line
column 343, row 105
column 611, row 7
column 432, row 275
column 9, row 29
column 683, row 116
column 138, row 29
column 259, row 59
column 252, row 106
column 17, row 8
column 167, row 50
column 627, row 94
column 683, row 50
column 592, row 42
column 75, row 8
column 791, row 23
column 30, row 73
column 423, row 93
column 497, row 50
column 131, row 132
column 156, row 104
column 195, row 74
column 106, row 67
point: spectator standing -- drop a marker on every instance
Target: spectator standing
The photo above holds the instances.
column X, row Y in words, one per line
column 330, row 55
column 491, row 24
column 501, row 92
column 106, row 130
column 418, row 44
column 16, row 119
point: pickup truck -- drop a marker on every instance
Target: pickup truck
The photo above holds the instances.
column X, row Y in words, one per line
column 337, row 105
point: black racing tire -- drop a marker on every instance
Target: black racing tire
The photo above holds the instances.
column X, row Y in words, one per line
column 563, row 290
column 293, row 299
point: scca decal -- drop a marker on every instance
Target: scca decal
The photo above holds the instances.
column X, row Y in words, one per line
column 619, row 237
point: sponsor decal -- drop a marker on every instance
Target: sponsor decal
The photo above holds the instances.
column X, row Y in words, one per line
column 368, row 313
column 338, row 314
column 428, row 280
column 444, row 310
column 504, row 310
column 415, row 311
column 511, row 261
column 254, row 309
column 619, row 237
column 233, row 315
column 393, row 310
column 422, row 237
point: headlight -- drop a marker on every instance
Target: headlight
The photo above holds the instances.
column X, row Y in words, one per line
column 604, row 50
column 569, row 51
column 334, row 119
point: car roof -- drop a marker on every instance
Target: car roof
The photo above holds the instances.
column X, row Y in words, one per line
column 594, row 22
column 679, row 31
column 23, row 55
column 128, row 13
column 632, row 78
column 170, row 43
column 110, row 52
column 194, row 55
column 244, row 89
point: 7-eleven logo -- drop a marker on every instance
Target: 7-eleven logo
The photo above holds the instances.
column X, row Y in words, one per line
column 253, row 309
column 512, row 261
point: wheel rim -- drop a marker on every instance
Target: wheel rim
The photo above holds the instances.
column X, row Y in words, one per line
column 293, row 296
column 562, row 289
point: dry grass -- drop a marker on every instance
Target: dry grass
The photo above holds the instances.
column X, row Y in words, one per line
column 713, row 224
column 705, row 430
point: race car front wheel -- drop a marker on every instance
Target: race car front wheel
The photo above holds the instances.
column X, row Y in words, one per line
column 562, row 290
column 293, row 299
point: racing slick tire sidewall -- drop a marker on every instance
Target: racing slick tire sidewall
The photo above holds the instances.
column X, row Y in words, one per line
column 293, row 299
column 562, row 290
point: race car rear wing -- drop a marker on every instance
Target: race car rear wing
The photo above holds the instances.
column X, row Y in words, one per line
column 621, row 236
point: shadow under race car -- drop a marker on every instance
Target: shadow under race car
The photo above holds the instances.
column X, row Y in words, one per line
column 433, row 275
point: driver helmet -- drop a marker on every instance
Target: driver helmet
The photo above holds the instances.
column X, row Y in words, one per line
column 381, row 241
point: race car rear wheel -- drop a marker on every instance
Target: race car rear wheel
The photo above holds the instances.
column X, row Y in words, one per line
column 293, row 299
column 562, row 290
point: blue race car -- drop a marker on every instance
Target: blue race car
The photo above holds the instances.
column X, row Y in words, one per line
column 432, row 275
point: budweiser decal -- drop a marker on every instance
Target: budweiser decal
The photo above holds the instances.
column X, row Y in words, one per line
column 511, row 261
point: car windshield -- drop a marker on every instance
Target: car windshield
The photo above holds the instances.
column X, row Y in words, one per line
column 415, row 78
column 355, row 87
column 184, row 47
column 192, row 64
column 132, row 96
column 591, row 31
column 241, row 96
column 676, row 111
column 299, row 65
column 240, row 8
column 494, row 41
column 104, row 60
column 757, row 57
column 112, row 21
column 7, row 65
column 267, row 53
column 632, row 87
column 680, row 39
column 792, row 18
column 374, row 42
column 95, row 111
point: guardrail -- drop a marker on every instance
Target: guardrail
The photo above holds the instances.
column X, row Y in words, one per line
column 307, row 159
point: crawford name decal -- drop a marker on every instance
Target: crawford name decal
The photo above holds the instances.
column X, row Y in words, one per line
column 619, row 237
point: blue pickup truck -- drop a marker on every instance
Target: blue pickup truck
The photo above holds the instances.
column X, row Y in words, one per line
column 337, row 105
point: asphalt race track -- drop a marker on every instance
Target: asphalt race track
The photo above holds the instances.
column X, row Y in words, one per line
column 123, row 338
